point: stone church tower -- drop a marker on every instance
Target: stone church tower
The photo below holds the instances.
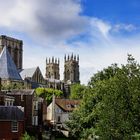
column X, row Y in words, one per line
column 52, row 68
column 14, row 47
column 71, row 69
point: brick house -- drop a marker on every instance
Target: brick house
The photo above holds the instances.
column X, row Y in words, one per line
column 26, row 98
column 11, row 122
column 42, row 111
column 6, row 100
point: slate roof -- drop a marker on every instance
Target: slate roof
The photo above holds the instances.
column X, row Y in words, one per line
column 28, row 72
column 67, row 104
column 8, row 68
column 11, row 113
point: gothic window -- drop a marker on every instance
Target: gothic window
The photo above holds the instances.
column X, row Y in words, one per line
column 58, row 87
column 68, row 75
column 16, row 56
column 9, row 49
column 75, row 75
column 49, row 75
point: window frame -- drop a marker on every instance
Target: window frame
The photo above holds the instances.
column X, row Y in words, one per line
column 14, row 126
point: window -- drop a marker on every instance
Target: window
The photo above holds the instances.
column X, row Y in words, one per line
column 58, row 110
column 68, row 105
column 35, row 120
column 22, row 99
column 36, row 105
column 14, row 126
column 59, row 119
column 11, row 103
column 7, row 103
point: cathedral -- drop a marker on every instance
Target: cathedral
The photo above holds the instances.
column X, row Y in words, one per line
column 11, row 69
column 71, row 69
column 14, row 47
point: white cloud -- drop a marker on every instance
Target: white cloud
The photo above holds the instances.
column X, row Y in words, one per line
column 52, row 22
column 101, row 26
column 49, row 20
column 94, row 56
column 125, row 27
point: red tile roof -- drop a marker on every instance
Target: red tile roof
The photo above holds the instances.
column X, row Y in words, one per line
column 67, row 104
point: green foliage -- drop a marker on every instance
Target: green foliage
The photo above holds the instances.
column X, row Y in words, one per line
column 26, row 136
column 110, row 108
column 136, row 136
column 47, row 93
column 11, row 86
column 77, row 91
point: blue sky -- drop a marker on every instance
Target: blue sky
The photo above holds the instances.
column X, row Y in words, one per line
column 102, row 32
column 116, row 11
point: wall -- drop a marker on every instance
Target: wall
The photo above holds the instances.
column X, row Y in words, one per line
column 64, row 116
column 27, row 103
column 5, row 130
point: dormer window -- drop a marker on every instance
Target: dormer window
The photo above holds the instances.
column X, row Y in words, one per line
column 68, row 106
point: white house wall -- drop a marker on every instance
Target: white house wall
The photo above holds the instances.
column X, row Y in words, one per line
column 49, row 112
column 64, row 116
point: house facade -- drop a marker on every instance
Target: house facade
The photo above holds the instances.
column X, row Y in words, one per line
column 26, row 98
column 59, row 110
column 6, row 100
column 11, row 122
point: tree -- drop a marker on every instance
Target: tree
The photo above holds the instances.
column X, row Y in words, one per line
column 47, row 93
column 110, row 108
column 82, row 120
column 77, row 91
column 15, row 85
column 119, row 108
column 26, row 136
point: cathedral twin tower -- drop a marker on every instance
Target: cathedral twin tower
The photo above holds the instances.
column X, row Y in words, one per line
column 71, row 69
column 71, row 63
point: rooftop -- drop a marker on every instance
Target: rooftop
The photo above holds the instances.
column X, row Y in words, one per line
column 67, row 104
column 8, row 68
column 28, row 72
column 21, row 92
column 11, row 113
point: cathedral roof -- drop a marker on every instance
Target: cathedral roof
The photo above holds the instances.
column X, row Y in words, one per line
column 8, row 68
column 29, row 72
